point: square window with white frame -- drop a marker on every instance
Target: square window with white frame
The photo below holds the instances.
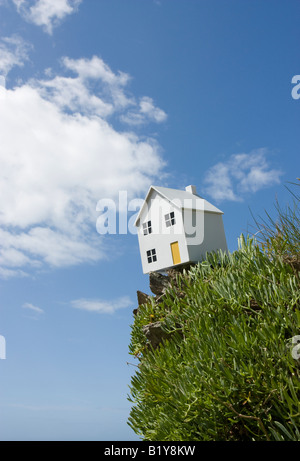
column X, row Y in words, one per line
column 151, row 256
column 147, row 228
column 170, row 219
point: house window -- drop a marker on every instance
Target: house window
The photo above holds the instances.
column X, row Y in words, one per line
column 147, row 229
column 170, row 219
column 151, row 256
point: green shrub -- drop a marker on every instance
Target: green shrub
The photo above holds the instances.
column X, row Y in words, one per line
column 227, row 371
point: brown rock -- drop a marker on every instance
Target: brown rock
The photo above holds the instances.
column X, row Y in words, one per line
column 143, row 298
column 154, row 333
column 158, row 283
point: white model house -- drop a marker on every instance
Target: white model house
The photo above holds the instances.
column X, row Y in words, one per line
column 177, row 227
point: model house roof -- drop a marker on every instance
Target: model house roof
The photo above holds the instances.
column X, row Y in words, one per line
column 182, row 199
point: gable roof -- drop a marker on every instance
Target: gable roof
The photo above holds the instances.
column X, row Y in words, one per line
column 181, row 199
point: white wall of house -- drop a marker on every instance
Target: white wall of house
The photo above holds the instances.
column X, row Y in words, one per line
column 213, row 237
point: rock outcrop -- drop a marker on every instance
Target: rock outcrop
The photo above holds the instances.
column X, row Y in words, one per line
column 155, row 333
column 159, row 284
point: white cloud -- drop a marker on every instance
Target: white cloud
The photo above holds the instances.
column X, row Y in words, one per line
column 94, row 89
column 54, row 247
column 145, row 112
column 59, row 156
column 46, row 13
column 73, row 94
column 96, row 68
column 100, row 306
column 33, row 308
column 239, row 175
column 13, row 52
column 147, row 107
column 9, row 273
column 76, row 92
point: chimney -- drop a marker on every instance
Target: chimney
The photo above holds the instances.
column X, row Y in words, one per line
column 191, row 190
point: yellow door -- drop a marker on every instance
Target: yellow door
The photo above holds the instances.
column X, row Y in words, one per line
column 175, row 253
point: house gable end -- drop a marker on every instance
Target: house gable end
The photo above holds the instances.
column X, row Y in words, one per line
column 152, row 189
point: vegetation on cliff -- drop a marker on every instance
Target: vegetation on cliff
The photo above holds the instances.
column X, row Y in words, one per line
column 227, row 366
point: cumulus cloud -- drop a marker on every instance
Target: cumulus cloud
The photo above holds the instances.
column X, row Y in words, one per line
column 14, row 51
column 145, row 112
column 96, row 68
column 46, row 13
column 60, row 154
column 100, row 306
column 241, row 174
column 93, row 88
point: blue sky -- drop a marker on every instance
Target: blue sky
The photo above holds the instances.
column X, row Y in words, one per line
column 104, row 96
